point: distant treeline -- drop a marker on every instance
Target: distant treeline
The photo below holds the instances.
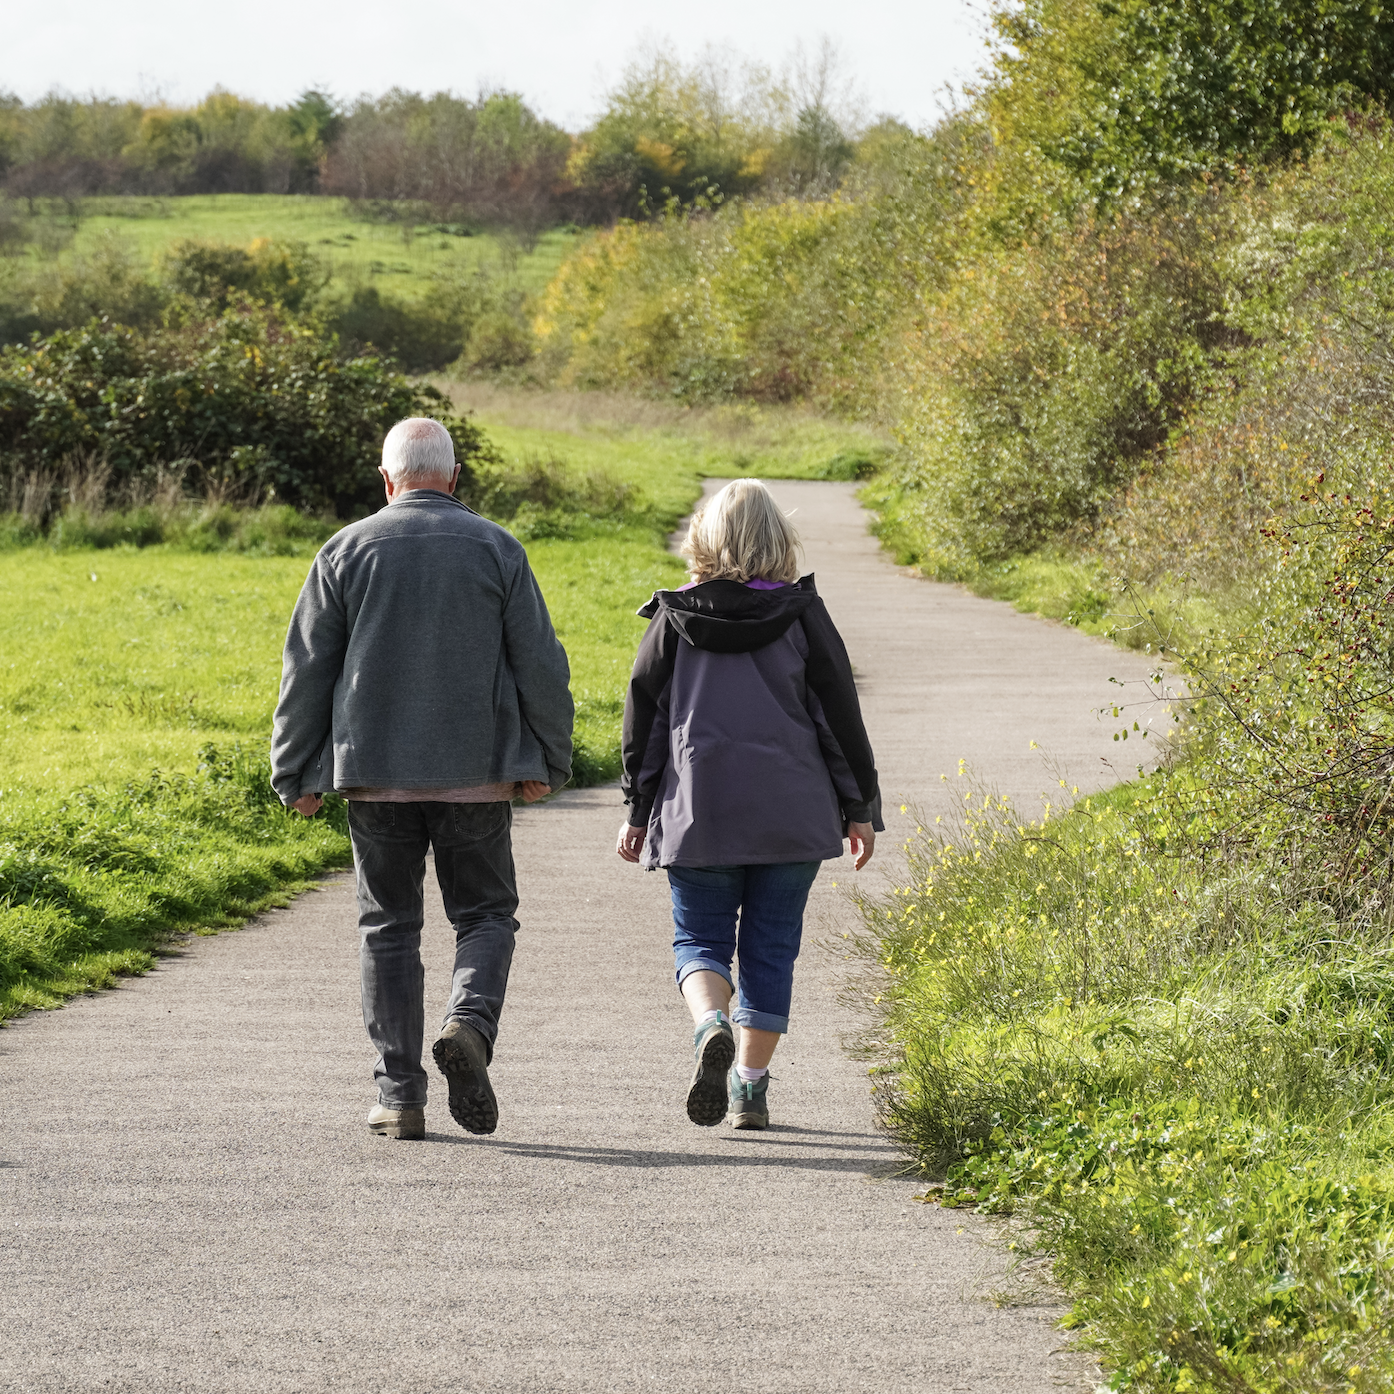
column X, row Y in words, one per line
column 670, row 131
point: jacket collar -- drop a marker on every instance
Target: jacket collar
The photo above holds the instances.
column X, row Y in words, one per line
column 728, row 617
column 429, row 498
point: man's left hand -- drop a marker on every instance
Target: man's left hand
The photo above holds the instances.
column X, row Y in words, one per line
column 534, row 789
column 307, row 805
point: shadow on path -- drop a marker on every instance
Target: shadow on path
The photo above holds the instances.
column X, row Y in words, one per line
column 874, row 1159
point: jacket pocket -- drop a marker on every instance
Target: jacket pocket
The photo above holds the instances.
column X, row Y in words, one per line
column 475, row 820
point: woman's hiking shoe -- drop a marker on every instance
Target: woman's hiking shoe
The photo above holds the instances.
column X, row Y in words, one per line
column 462, row 1056
column 715, row 1049
column 409, row 1124
column 750, row 1107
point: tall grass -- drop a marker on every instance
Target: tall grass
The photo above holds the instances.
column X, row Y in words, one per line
column 1179, row 1077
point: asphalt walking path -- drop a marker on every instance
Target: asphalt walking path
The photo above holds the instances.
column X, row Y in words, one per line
column 189, row 1198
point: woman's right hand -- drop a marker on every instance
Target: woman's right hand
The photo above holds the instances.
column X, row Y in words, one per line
column 631, row 842
column 863, row 839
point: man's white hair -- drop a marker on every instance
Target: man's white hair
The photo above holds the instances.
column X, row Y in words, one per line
column 418, row 452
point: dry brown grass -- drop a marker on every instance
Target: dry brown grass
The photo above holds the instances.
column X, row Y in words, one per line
column 758, row 428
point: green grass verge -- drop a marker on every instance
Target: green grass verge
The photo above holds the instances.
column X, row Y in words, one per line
column 133, row 720
column 354, row 250
column 1063, row 583
column 1179, row 1076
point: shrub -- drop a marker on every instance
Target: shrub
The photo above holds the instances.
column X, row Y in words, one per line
column 420, row 336
column 1305, row 278
column 499, row 340
column 250, row 404
column 107, row 283
column 1041, row 378
column 286, row 274
column 701, row 306
column 1124, row 98
column 548, row 498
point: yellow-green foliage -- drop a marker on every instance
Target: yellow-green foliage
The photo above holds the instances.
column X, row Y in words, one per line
column 1180, row 1079
column 1030, row 387
column 696, row 306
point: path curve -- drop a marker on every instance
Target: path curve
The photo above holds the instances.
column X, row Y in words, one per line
column 189, row 1200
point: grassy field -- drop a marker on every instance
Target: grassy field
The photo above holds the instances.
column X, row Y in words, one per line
column 663, row 445
column 398, row 257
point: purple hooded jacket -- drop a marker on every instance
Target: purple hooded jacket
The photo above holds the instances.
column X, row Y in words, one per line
column 743, row 735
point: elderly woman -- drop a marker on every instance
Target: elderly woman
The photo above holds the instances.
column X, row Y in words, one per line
column 746, row 764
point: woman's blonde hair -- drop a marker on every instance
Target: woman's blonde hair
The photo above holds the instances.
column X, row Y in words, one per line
column 739, row 534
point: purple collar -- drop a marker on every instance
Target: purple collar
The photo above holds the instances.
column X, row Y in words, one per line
column 757, row 584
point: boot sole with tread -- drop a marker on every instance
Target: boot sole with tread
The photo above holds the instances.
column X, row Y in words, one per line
column 707, row 1098
column 472, row 1102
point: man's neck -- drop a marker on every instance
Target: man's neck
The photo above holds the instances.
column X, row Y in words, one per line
column 397, row 495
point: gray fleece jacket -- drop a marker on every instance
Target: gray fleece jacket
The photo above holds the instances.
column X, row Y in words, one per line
column 421, row 656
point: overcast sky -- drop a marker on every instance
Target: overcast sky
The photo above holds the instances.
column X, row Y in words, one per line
column 560, row 54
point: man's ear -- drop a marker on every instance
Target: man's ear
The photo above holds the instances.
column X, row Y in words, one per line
column 454, row 480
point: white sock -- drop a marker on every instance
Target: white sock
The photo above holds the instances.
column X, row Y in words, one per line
column 750, row 1074
column 708, row 1016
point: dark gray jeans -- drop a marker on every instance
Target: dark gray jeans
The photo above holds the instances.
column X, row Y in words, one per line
column 474, row 865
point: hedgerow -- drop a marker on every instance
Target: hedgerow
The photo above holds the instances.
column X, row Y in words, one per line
column 250, row 404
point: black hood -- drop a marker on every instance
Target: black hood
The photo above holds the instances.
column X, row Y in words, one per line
column 729, row 617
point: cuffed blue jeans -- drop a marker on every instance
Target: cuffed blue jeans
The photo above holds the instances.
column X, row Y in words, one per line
column 473, row 849
column 755, row 912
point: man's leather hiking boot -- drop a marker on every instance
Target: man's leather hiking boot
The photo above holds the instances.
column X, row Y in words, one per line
column 408, row 1124
column 462, row 1056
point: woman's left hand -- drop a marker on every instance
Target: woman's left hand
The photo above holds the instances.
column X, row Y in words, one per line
column 863, row 839
column 631, row 842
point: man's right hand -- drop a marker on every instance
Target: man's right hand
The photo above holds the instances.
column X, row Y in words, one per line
column 534, row 789
column 307, row 805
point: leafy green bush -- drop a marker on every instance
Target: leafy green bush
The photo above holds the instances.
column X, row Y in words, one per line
column 420, row 336
column 286, row 274
column 765, row 302
column 250, row 404
column 547, row 498
column 1036, row 383
column 108, row 283
column 499, row 340
column 1127, row 97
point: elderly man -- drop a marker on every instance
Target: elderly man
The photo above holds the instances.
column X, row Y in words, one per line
column 422, row 680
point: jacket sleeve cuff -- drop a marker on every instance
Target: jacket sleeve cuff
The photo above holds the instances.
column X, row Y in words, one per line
column 639, row 813
column 866, row 812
